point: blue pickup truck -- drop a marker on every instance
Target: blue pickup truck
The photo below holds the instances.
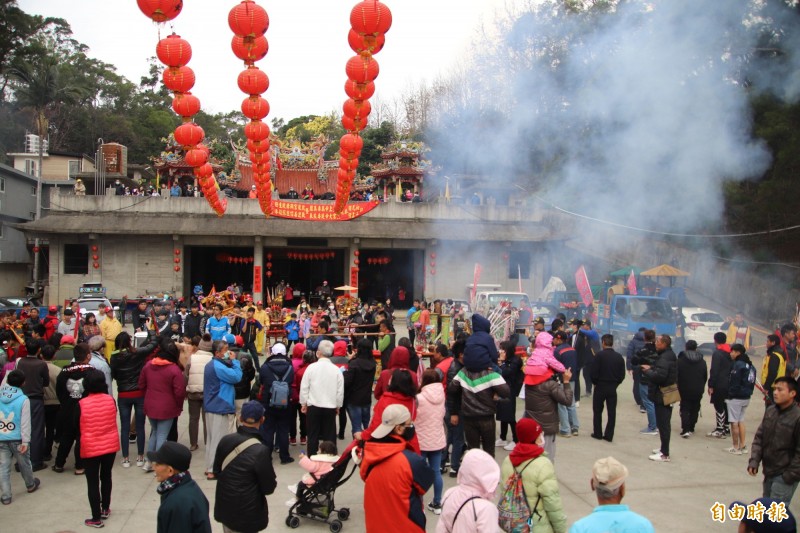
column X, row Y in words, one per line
column 625, row 314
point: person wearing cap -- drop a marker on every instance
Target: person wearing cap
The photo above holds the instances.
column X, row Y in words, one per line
column 50, row 322
column 194, row 372
column 68, row 321
column 184, row 507
column 220, row 376
column 321, row 397
column 538, row 477
column 63, row 355
column 278, row 368
column 110, row 328
column 777, row 443
column 395, row 478
column 608, row 483
column 243, row 467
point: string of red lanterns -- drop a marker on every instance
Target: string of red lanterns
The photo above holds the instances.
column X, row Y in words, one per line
column 249, row 23
column 175, row 52
column 317, row 256
column 379, row 260
column 369, row 20
column 223, row 257
column 95, row 257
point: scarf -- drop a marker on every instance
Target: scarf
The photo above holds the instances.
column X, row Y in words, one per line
column 523, row 452
column 172, row 482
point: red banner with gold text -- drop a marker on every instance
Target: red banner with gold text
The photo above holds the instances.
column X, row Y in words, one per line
column 318, row 211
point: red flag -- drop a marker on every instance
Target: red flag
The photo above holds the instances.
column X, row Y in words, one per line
column 475, row 278
column 582, row 282
column 632, row 284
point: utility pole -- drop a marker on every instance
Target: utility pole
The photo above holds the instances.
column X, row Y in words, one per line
column 36, row 243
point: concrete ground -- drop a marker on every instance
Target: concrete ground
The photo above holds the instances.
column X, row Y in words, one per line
column 675, row 496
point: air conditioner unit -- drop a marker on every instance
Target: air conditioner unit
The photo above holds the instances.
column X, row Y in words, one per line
column 32, row 144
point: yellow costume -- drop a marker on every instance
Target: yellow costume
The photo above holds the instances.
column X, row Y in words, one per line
column 110, row 327
column 263, row 318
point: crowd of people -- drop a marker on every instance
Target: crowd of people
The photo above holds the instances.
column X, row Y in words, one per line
column 409, row 425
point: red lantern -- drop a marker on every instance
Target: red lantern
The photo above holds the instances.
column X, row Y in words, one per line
column 354, row 125
column 258, row 146
column 177, row 251
column 178, row 79
column 36, row 249
column 269, row 274
column 160, row 10
column 94, row 248
column 269, row 265
column 355, row 261
column 259, row 158
column 433, row 263
column 362, row 69
column 351, row 143
column 253, row 81
column 174, row 51
column 95, row 257
column 365, row 44
column 433, row 271
column 249, row 49
column 177, row 260
column 356, row 109
column 370, row 17
column 203, row 172
column 189, row 134
column 248, row 19
column 256, row 130
column 356, row 253
column 370, row 261
column 433, row 255
column 255, row 107
column 177, row 268
column 196, row 158
column 269, row 256
column 348, row 165
column 359, row 91
column 96, row 265
column 186, row 105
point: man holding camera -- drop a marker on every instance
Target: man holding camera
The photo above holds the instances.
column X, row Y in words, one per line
column 646, row 356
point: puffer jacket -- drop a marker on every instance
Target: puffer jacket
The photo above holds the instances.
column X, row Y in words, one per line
column 777, row 443
column 480, row 351
column 430, row 418
column 274, row 370
column 242, row 487
column 663, row 372
column 473, row 393
column 636, row 344
column 692, row 375
column 719, row 373
column 358, row 381
column 742, row 378
column 195, row 370
column 478, row 478
column 541, row 485
column 164, row 389
column 97, row 424
column 542, row 400
column 126, row 367
column 542, row 358
column 218, row 380
column 400, row 359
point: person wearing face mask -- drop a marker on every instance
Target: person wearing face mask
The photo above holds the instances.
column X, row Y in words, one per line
column 469, row 507
column 538, row 477
column 219, row 377
column 395, row 478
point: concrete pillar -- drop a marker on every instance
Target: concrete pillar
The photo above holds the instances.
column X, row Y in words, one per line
column 258, row 268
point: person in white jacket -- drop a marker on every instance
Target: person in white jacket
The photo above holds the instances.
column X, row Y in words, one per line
column 194, row 371
column 469, row 507
column 430, row 430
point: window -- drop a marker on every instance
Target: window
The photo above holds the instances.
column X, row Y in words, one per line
column 2, row 185
column 74, row 168
column 32, row 215
column 2, row 228
column 519, row 265
column 30, row 167
column 76, row 259
column 33, row 190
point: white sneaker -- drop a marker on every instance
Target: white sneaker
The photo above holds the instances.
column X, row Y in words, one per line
column 140, row 462
column 510, row 446
column 126, row 463
column 292, row 488
column 500, row 442
column 147, row 467
column 656, row 450
column 577, row 404
column 659, row 457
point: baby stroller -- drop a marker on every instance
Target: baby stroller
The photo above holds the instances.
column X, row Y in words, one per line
column 316, row 501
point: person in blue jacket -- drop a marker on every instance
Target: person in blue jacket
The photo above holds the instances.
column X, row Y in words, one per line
column 218, row 326
column 480, row 351
column 292, row 328
column 219, row 398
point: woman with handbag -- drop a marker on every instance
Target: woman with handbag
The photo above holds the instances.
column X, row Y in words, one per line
column 663, row 376
column 540, row 486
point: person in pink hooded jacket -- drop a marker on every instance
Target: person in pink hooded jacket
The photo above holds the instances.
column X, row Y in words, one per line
column 469, row 506
column 430, row 431
column 542, row 361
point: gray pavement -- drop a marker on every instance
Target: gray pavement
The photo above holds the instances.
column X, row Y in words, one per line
column 675, row 496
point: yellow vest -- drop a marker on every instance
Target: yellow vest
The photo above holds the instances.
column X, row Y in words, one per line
column 781, row 366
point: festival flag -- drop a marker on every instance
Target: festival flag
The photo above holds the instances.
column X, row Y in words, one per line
column 475, row 278
column 632, row 284
column 582, row 282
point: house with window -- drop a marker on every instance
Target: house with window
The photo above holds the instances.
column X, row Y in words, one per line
column 56, row 165
column 17, row 205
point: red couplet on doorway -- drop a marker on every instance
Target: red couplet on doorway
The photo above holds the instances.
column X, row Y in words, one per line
column 354, row 277
column 257, row 278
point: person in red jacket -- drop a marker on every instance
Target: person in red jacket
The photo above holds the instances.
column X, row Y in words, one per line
column 164, row 389
column 400, row 358
column 395, row 478
column 401, row 391
column 96, row 420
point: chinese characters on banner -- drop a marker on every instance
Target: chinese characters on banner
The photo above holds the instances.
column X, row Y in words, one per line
column 318, row 211
column 257, row 278
column 582, row 282
column 354, row 278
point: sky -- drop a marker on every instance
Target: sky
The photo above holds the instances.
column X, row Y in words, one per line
column 308, row 46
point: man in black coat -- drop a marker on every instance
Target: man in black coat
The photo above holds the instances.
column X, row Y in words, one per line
column 277, row 368
column 243, row 468
column 663, row 373
column 607, row 371
column 692, row 376
column 718, row 378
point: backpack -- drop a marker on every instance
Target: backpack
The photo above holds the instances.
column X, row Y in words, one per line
column 279, row 391
column 513, row 510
